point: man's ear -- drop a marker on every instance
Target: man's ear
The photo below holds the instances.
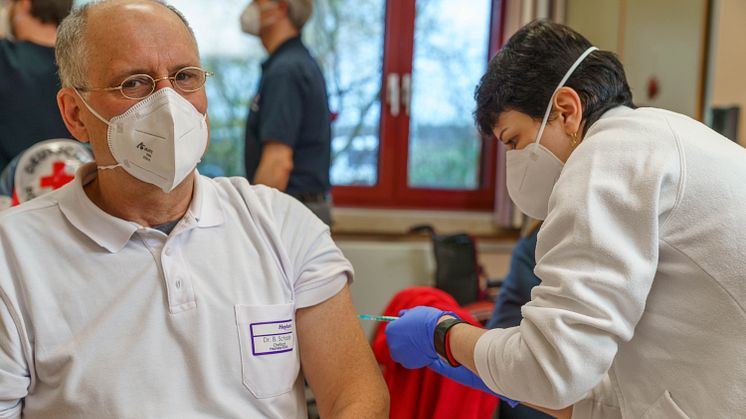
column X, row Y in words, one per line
column 569, row 109
column 70, row 106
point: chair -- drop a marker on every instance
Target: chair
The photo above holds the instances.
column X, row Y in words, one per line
column 422, row 393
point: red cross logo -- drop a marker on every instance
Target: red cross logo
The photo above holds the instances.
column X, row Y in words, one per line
column 58, row 178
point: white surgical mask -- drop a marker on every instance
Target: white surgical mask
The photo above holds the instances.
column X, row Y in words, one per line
column 532, row 171
column 251, row 19
column 159, row 140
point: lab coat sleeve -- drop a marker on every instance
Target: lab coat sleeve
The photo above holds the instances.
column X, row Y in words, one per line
column 517, row 285
column 596, row 257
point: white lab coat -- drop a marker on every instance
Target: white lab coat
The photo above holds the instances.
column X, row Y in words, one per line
column 642, row 258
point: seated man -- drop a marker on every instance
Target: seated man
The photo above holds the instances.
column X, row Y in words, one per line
column 141, row 289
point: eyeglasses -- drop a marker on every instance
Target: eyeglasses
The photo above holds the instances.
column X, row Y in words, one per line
column 140, row 86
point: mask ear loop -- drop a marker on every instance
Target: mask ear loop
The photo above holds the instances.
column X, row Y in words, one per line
column 85, row 102
column 559, row 86
column 97, row 115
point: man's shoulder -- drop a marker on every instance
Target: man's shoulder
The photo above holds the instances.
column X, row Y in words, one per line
column 237, row 190
column 36, row 211
column 7, row 50
column 14, row 49
column 293, row 62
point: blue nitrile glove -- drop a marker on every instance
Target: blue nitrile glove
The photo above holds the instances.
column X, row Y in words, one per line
column 464, row 376
column 410, row 337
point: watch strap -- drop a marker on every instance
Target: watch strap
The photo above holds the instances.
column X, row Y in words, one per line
column 441, row 341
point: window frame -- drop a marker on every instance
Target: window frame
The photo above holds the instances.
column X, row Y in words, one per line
column 392, row 189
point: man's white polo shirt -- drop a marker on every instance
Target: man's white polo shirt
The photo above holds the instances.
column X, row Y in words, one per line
column 102, row 318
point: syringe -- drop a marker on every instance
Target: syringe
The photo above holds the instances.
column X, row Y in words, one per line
column 376, row 318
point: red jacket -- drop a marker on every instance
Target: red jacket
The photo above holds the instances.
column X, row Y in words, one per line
column 422, row 393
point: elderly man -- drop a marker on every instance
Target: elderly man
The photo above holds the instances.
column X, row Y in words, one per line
column 144, row 290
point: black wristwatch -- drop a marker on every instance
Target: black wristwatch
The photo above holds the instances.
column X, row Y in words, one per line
column 440, row 339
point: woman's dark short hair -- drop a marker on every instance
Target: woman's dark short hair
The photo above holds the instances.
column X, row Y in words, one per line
column 524, row 74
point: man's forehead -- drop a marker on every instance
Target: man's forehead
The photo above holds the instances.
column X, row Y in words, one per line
column 133, row 16
column 143, row 33
column 105, row 8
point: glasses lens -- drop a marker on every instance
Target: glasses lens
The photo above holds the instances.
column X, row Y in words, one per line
column 189, row 79
column 137, row 86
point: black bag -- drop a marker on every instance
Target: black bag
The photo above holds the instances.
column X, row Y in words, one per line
column 457, row 270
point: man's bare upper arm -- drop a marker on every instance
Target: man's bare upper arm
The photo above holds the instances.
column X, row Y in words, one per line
column 337, row 360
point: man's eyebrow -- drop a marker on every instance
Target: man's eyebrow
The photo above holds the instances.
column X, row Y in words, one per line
column 122, row 75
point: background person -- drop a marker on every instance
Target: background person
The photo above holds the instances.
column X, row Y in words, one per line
column 640, row 309
column 143, row 289
column 288, row 132
column 28, row 76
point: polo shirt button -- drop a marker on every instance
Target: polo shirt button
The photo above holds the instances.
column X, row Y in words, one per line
column 169, row 251
column 178, row 284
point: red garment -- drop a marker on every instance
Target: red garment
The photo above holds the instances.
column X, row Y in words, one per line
column 422, row 393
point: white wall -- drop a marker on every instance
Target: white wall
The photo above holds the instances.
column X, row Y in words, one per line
column 597, row 20
column 729, row 79
column 664, row 39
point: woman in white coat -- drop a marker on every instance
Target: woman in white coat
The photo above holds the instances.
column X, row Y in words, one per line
column 642, row 254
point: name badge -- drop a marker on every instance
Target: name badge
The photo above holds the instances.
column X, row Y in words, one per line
column 269, row 338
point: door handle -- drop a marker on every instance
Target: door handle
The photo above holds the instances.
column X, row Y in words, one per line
column 393, row 96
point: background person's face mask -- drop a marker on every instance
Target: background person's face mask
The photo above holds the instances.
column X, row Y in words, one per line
column 159, row 140
column 532, row 172
column 251, row 18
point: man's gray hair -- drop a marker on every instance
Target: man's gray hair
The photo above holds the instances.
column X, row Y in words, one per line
column 71, row 51
column 299, row 11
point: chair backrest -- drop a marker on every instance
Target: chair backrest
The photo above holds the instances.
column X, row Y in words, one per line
column 457, row 269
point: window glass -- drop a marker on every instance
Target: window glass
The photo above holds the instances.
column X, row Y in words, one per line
column 346, row 37
column 450, row 55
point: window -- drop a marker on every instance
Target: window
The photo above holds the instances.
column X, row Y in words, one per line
column 400, row 76
column 423, row 150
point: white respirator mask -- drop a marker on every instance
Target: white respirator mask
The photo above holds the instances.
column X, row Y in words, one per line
column 533, row 171
column 251, row 18
column 159, row 140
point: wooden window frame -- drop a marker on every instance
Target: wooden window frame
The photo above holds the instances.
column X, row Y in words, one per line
column 392, row 190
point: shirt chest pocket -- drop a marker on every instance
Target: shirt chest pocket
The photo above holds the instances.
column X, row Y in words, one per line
column 269, row 354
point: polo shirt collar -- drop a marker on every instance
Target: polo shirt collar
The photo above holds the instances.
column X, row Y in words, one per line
column 205, row 206
column 113, row 233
